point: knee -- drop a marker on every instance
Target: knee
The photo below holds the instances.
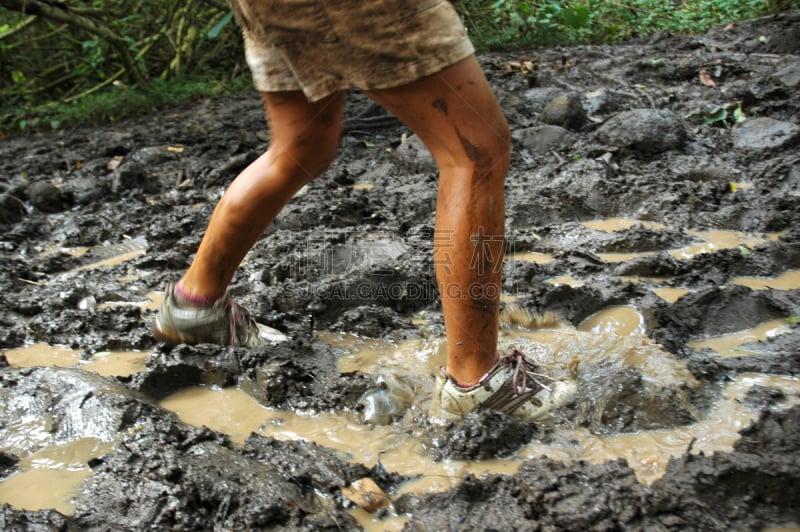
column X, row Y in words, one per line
column 306, row 157
column 486, row 150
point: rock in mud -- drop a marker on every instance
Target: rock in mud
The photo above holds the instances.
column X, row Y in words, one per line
column 565, row 110
column 8, row 462
column 12, row 209
column 46, row 197
column 541, row 139
column 133, row 175
column 388, row 401
column 764, row 133
column 789, row 74
column 649, row 131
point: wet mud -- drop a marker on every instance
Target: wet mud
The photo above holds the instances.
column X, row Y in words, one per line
column 631, row 176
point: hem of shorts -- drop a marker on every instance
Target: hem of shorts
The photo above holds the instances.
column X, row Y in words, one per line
column 327, row 87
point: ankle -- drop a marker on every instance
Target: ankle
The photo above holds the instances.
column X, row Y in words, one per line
column 471, row 381
column 188, row 299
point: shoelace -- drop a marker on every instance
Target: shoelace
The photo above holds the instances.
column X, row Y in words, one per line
column 239, row 318
column 524, row 370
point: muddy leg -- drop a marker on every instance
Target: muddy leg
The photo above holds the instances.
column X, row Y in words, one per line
column 458, row 118
column 304, row 138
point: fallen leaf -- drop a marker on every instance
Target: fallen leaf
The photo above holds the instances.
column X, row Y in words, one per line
column 175, row 149
column 706, row 79
column 366, row 494
column 114, row 162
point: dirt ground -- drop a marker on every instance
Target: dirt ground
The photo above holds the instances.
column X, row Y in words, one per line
column 681, row 133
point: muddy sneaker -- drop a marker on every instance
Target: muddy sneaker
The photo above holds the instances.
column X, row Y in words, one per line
column 513, row 386
column 224, row 323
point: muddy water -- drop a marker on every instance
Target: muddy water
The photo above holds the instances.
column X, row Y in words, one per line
column 60, row 468
column 612, row 225
column 106, row 363
column 614, row 332
column 786, row 281
column 530, row 256
column 731, row 344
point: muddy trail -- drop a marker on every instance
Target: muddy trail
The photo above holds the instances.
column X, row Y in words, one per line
column 653, row 255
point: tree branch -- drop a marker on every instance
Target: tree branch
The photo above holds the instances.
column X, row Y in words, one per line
column 60, row 13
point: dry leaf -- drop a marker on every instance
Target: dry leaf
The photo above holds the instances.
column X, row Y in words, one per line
column 175, row 149
column 366, row 494
column 524, row 66
column 706, row 79
column 114, row 162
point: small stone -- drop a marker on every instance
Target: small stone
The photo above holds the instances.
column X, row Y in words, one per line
column 12, row 209
column 764, row 133
column 565, row 110
column 45, row 196
column 646, row 130
column 541, row 139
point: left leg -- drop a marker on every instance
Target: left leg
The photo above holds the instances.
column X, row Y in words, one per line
column 458, row 118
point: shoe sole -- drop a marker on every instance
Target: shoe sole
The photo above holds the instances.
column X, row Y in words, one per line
column 170, row 337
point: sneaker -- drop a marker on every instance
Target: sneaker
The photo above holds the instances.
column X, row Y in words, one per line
column 512, row 386
column 224, row 323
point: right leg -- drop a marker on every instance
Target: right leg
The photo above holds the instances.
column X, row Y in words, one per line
column 303, row 142
column 304, row 138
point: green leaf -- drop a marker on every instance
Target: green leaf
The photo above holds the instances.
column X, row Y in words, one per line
column 738, row 115
column 793, row 320
column 575, row 16
column 214, row 32
column 717, row 115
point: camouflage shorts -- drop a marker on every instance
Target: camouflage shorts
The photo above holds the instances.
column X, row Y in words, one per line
column 323, row 46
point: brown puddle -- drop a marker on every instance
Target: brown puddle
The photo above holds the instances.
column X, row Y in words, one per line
column 670, row 295
column 530, row 256
column 730, row 345
column 712, row 241
column 719, row 240
column 621, row 321
column 60, row 468
column 106, row 363
column 789, row 280
column 612, row 225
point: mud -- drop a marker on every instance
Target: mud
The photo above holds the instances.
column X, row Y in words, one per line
column 94, row 222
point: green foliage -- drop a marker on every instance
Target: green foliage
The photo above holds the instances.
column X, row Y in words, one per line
column 75, row 53
column 729, row 115
column 507, row 24
column 115, row 104
column 67, row 68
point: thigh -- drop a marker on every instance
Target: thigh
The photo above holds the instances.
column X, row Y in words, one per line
column 454, row 112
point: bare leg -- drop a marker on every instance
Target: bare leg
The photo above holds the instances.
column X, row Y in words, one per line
column 304, row 138
column 458, row 118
